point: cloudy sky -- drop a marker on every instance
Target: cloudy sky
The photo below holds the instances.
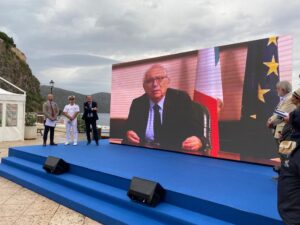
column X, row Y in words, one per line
column 75, row 42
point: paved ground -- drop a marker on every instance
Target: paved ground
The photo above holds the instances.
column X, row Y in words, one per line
column 20, row 206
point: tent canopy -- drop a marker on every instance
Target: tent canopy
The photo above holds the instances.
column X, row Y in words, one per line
column 12, row 114
column 9, row 96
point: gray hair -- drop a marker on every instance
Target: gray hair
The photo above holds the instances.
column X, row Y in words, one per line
column 285, row 85
column 155, row 66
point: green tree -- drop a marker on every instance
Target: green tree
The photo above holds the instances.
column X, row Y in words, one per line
column 9, row 41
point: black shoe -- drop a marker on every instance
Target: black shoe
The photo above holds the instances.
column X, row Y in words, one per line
column 53, row 144
column 97, row 143
column 44, row 144
column 88, row 143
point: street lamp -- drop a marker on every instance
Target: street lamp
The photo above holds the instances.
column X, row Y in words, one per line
column 51, row 85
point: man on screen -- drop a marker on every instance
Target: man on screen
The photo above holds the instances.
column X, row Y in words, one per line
column 162, row 117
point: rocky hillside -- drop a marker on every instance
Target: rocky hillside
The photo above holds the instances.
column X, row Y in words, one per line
column 61, row 97
column 13, row 67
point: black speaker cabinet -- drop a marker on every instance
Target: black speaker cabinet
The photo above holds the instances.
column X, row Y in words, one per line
column 145, row 191
column 55, row 165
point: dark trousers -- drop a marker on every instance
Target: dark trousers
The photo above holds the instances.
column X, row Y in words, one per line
column 47, row 128
column 88, row 124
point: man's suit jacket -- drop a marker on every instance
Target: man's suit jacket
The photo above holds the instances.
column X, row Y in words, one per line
column 48, row 111
column 285, row 106
column 88, row 110
column 177, row 122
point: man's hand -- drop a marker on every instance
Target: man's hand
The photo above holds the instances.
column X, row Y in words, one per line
column 286, row 119
column 133, row 137
column 269, row 124
column 73, row 117
column 69, row 117
column 192, row 144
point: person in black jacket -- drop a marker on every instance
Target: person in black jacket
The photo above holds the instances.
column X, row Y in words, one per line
column 90, row 116
column 289, row 174
column 162, row 117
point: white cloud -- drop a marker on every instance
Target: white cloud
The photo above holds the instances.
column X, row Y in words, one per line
column 85, row 80
column 71, row 30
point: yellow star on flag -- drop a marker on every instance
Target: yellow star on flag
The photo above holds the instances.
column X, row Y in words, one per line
column 273, row 66
column 253, row 116
column 272, row 40
column 261, row 93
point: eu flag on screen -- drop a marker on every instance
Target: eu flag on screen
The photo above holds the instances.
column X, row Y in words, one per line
column 261, row 76
column 259, row 98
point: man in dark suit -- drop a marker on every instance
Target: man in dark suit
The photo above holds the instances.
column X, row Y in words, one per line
column 90, row 116
column 162, row 117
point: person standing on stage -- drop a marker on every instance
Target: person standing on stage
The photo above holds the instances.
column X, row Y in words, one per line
column 71, row 112
column 90, row 116
column 50, row 110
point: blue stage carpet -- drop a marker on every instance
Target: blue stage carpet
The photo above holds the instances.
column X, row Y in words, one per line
column 199, row 190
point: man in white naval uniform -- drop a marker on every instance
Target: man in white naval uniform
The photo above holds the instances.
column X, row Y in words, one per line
column 71, row 112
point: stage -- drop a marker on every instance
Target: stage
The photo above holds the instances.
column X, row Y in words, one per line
column 200, row 190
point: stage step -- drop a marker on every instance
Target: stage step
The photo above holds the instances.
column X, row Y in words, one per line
column 102, row 202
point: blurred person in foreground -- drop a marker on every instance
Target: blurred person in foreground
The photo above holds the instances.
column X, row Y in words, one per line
column 289, row 174
column 285, row 105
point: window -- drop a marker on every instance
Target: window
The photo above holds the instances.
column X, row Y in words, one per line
column 11, row 115
column 1, row 108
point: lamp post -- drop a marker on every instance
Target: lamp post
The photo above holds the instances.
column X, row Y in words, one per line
column 51, row 86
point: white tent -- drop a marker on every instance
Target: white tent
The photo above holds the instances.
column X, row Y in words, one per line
column 12, row 114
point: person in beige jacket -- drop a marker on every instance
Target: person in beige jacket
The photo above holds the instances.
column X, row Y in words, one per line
column 50, row 110
column 284, row 90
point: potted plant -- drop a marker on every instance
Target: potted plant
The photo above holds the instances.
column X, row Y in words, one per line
column 30, row 126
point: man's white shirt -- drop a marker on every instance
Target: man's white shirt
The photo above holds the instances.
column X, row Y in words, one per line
column 71, row 110
column 149, row 136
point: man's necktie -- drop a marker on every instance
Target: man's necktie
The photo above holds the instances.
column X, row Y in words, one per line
column 157, row 123
column 52, row 110
column 90, row 114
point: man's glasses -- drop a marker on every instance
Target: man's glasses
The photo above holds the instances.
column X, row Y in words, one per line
column 152, row 80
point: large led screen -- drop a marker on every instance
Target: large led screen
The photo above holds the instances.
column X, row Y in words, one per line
column 214, row 101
